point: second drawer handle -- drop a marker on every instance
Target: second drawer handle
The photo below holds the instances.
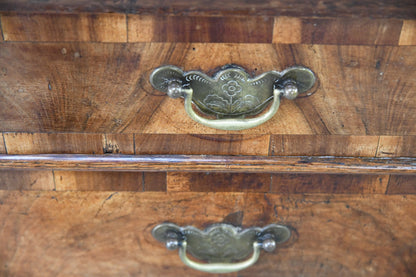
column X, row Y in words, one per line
column 220, row 245
column 232, row 94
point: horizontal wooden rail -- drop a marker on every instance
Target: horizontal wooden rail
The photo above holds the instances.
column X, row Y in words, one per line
column 203, row 163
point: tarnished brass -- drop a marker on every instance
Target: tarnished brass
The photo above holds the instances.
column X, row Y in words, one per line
column 231, row 94
column 222, row 246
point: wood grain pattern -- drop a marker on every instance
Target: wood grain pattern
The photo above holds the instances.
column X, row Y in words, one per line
column 64, row 27
column 1, row 31
column 109, row 181
column 41, row 143
column 351, row 31
column 402, row 185
column 98, row 181
column 204, row 163
column 332, row 8
column 68, row 94
column 26, row 180
column 169, row 144
column 105, row 88
column 2, row 145
column 337, row 31
column 217, row 182
column 149, row 144
column 397, row 146
column 408, row 33
column 154, row 181
column 312, row 145
column 112, row 27
column 78, row 233
column 329, row 183
column 287, row 30
column 148, row 28
column 118, row 144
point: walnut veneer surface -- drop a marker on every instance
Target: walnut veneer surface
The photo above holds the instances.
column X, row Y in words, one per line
column 92, row 157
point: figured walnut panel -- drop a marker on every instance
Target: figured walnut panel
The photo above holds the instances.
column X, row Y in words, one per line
column 2, row 145
column 408, row 34
column 218, row 182
column 402, row 184
column 287, row 30
column 41, row 143
column 351, row 31
column 104, row 88
column 154, row 181
column 118, row 144
column 1, row 31
column 313, row 145
column 109, row 181
column 397, row 146
column 329, row 183
column 150, row 28
column 64, row 27
column 98, row 181
column 26, row 180
column 337, row 31
column 148, row 144
column 78, row 233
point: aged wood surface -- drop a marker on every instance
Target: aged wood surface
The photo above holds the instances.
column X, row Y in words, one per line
column 64, row 27
column 82, row 180
column 282, row 183
column 109, row 181
column 154, row 181
column 218, row 182
column 79, row 233
column 287, row 30
column 351, row 31
column 206, row 163
column 338, row 31
column 312, row 145
column 2, row 145
column 42, row 143
column 146, row 28
column 329, row 183
column 118, row 144
column 104, row 88
column 26, row 180
column 402, row 185
column 110, row 27
column 408, row 34
column 148, row 144
column 395, row 146
column 210, row 144
column 59, row 143
column 333, row 8
column 96, row 181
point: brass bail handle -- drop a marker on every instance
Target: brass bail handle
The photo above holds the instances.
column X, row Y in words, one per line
column 231, row 95
column 221, row 244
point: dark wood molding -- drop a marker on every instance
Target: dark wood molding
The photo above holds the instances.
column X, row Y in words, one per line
column 205, row 163
column 313, row 8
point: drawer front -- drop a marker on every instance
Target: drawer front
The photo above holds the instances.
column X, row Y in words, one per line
column 88, row 90
column 109, row 233
column 92, row 157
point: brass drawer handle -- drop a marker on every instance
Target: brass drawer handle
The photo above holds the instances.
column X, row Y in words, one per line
column 232, row 94
column 220, row 244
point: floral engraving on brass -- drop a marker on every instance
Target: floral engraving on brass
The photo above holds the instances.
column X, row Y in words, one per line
column 222, row 246
column 232, row 93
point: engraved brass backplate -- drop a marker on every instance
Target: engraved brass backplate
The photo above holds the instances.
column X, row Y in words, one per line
column 221, row 245
column 232, row 93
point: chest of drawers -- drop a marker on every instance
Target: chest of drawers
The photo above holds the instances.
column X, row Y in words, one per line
column 92, row 157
